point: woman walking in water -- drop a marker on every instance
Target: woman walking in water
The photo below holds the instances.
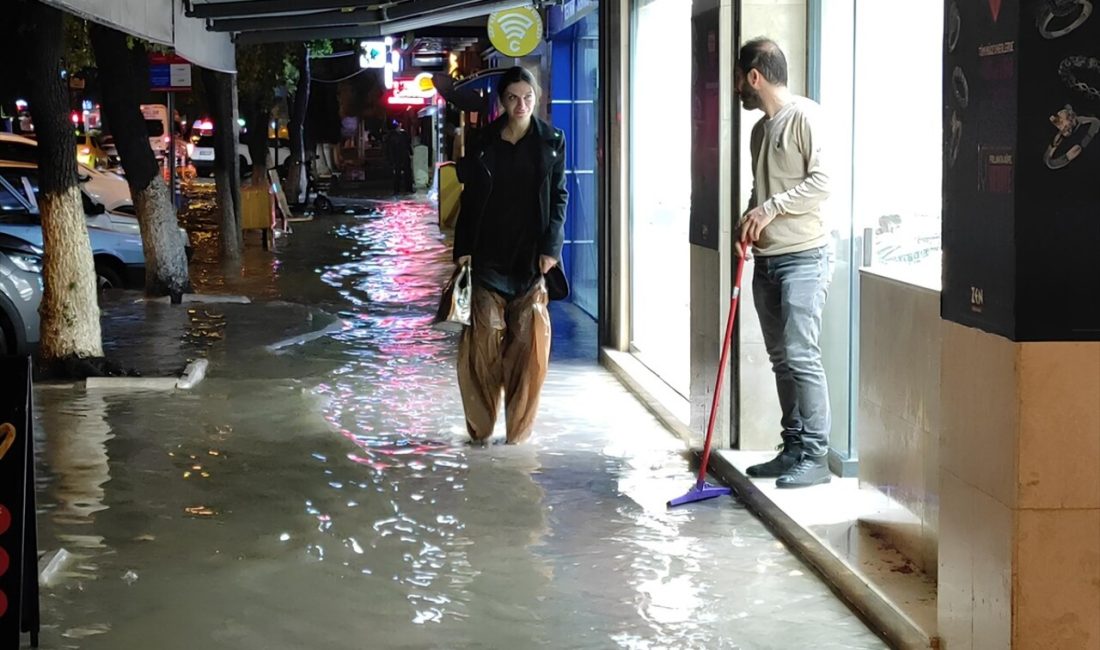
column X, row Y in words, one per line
column 510, row 232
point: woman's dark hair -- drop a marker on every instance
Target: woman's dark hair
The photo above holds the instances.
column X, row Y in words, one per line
column 764, row 55
column 513, row 76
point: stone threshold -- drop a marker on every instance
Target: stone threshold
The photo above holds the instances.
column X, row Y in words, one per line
column 831, row 528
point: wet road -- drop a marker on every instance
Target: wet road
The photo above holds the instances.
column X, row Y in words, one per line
column 322, row 495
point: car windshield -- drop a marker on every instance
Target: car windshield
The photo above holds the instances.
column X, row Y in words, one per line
column 18, row 152
column 205, row 141
column 155, row 128
column 8, row 202
column 22, row 178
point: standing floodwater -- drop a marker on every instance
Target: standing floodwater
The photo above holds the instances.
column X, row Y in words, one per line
column 322, row 495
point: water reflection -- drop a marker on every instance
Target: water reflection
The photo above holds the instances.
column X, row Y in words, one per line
column 326, row 496
column 75, row 449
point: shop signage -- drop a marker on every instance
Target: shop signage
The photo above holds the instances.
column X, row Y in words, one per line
column 706, row 163
column 417, row 91
column 515, row 32
column 18, row 530
column 169, row 73
column 1021, row 128
column 375, row 54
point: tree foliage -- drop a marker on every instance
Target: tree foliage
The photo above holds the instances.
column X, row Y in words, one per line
column 76, row 49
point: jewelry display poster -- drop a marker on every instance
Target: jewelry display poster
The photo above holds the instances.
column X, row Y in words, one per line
column 705, row 107
column 1058, row 173
column 1021, row 216
column 19, row 611
column 980, row 98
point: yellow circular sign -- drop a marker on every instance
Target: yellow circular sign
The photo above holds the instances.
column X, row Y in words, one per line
column 515, row 32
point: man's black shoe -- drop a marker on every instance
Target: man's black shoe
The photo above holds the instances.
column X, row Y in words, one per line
column 808, row 471
column 788, row 457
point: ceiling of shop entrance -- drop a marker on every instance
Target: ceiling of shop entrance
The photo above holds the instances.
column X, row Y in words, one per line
column 267, row 21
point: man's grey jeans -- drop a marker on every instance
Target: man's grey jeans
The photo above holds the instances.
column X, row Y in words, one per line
column 789, row 292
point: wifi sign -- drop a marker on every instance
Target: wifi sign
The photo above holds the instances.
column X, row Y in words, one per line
column 515, row 32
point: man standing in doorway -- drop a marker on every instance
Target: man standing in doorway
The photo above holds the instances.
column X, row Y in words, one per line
column 793, row 259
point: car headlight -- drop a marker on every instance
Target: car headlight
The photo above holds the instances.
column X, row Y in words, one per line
column 28, row 263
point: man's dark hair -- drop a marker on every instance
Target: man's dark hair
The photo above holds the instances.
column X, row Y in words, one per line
column 512, row 76
column 766, row 57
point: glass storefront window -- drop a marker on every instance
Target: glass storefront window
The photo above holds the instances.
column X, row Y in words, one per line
column 897, row 161
column 573, row 108
column 660, row 163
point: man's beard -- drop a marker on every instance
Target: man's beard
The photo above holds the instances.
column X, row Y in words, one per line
column 750, row 99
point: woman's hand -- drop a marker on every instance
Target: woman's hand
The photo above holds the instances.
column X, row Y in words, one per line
column 465, row 259
column 546, row 263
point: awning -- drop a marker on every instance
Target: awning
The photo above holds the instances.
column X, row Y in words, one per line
column 271, row 21
column 193, row 42
column 160, row 21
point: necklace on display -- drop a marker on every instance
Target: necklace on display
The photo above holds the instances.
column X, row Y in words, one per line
column 956, row 139
column 954, row 22
column 1084, row 63
column 1068, row 123
column 961, row 87
column 1063, row 9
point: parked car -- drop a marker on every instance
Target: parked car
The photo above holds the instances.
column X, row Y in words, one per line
column 89, row 152
column 119, row 257
column 106, row 187
column 157, row 126
column 20, row 294
column 202, row 155
column 111, row 149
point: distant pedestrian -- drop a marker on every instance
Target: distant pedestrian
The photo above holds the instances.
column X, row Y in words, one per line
column 793, row 259
column 510, row 230
column 398, row 148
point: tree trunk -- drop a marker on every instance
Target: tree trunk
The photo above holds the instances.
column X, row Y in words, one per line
column 219, row 92
column 235, row 168
column 296, row 174
column 165, row 259
column 69, row 308
column 258, row 118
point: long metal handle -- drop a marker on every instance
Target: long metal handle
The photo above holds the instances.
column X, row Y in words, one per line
column 735, row 297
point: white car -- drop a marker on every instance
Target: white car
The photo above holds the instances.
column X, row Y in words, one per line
column 99, row 188
column 106, row 188
column 202, row 155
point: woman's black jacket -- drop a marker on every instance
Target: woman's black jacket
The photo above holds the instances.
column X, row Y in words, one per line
column 477, row 180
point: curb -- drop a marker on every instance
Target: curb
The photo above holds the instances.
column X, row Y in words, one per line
column 862, row 598
column 192, row 376
column 194, row 298
column 130, row 383
column 333, row 327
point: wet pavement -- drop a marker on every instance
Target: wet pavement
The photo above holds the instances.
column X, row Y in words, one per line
column 323, row 494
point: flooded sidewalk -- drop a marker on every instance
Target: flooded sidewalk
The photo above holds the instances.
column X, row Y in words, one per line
column 322, row 494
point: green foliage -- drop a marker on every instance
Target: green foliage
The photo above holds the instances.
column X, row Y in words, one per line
column 260, row 70
column 263, row 68
column 76, row 52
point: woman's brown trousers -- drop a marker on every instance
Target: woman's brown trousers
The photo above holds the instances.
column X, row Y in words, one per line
column 504, row 353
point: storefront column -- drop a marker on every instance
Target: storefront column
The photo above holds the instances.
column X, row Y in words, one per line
column 712, row 201
column 1019, row 544
column 613, row 158
column 1019, row 541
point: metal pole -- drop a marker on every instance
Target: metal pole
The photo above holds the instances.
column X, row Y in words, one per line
column 171, row 157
